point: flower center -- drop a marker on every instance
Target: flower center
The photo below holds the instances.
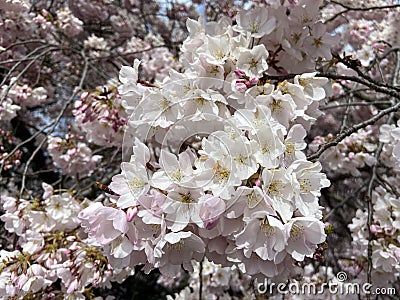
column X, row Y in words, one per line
column 220, row 172
column 275, row 187
column 296, row 232
column 253, row 199
column 290, row 148
column 275, row 105
column 254, row 26
column 305, row 185
column 136, row 183
column 267, row 229
column 176, row 247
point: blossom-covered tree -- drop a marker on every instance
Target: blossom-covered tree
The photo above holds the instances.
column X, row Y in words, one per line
column 202, row 147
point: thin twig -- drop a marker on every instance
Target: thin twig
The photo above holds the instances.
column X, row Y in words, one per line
column 355, row 104
column 374, row 176
column 349, row 8
column 346, row 114
column 201, row 280
column 344, row 201
column 34, row 59
column 353, row 129
column 23, row 143
column 69, row 101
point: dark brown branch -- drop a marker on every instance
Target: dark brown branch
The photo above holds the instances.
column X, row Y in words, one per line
column 353, row 129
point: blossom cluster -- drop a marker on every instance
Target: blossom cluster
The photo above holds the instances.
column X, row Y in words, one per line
column 390, row 137
column 7, row 160
column 365, row 35
column 351, row 155
column 68, row 23
column 72, row 155
column 292, row 33
column 101, row 116
column 15, row 5
column 51, row 248
column 385, row 226
column 8, row 110
column 215, row 182
column 385, row 229
column 25, row 96
column 218, row 168
column 217, row 283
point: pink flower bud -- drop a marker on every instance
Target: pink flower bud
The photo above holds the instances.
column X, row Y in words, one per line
column 211, row 223
column 350, row 155
column 317, row 256
column 252, row 82
column 240, row 86
column 239, row 73
column 131, row 213
column 375, row 229
column 73, row 286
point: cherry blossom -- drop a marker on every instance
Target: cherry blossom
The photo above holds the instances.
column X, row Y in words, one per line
column 257, row 141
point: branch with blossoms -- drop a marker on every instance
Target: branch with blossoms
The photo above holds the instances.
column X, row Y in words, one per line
column 217, row 156
column 238, row 147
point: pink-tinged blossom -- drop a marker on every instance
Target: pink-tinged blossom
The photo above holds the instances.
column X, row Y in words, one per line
column 181, row 208
column 211, row 209
column 255, row 22
column 158, row 109
column 270, row 146
column 131, row 212
column 101, row 116
column 253, row 62
column 254, row 265
column 314, row 87
column 215, row 170
column 295, row 144
column 279, row 186
column 34, row 279
column 217, row 50
column 130, row 184
column 390, row 135
column 319, row 43
column 296, row 91
column 384, row 258
column 48, row 191
column 310, row 181
column 24, row 95
column 73, row 157
column 151, row 207
column 202, row 106
column 264, row 236
column 63, row 209
column 68, row 23
column 8, row 110
column 130, row 90
column 174, row 172
column 249, row 203
column 104, row 224
column 282, row 107
column 177, row 249
column 129, row 77
column 303, row 236
column 13, row 222
column 31, row 241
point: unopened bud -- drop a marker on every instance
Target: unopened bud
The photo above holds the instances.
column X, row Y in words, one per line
column 131, row 213
column 239, row 73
